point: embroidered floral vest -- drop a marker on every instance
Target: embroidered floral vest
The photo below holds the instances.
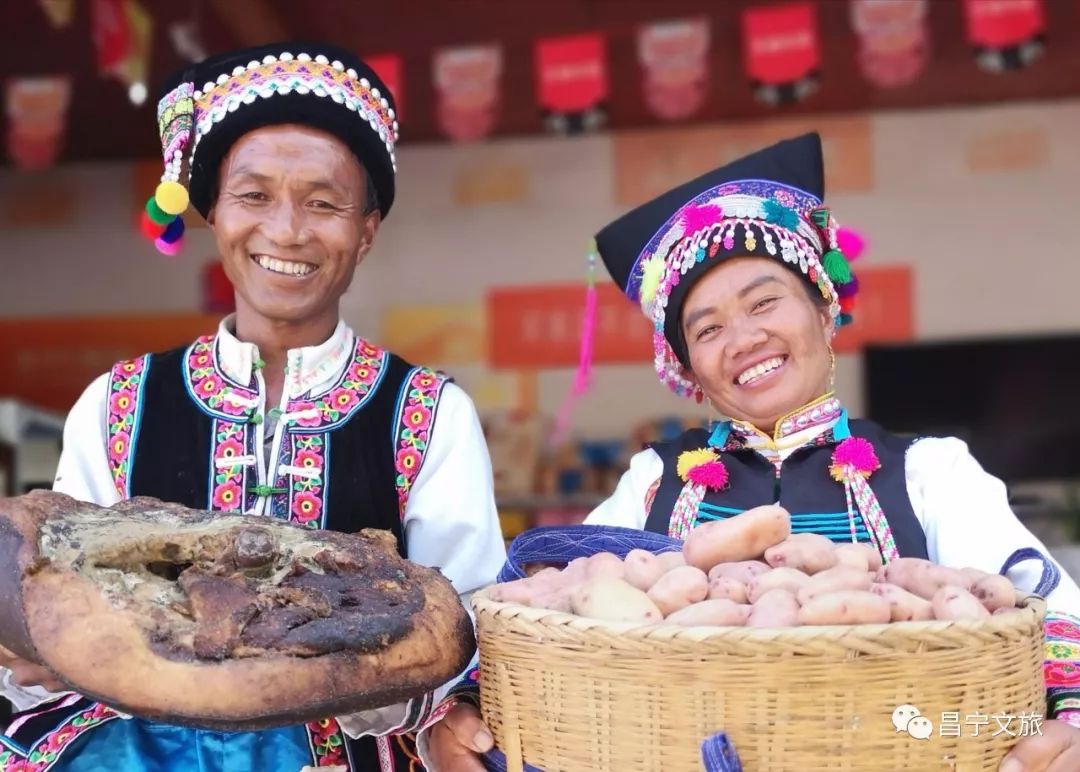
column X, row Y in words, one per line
column 180, row 430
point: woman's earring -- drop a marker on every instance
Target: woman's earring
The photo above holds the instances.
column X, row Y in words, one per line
column 832, row 369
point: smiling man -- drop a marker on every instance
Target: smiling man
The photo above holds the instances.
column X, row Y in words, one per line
column 285, row 412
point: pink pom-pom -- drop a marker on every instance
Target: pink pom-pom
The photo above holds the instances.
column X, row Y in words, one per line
column 167, row 248
column 857, row 453
column 851, row 243
column 694, row 218
column 711, row 474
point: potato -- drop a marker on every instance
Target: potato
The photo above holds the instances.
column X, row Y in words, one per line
column 776, row 608
column 678, row 588
column 904, row 606
column 672, row 560
column 605, row 564
column 718, row 612
column 789, row 579
column 518, row 591
column 643, row 569
column 833, row 580
column 1007, row 610
column 922, row 577
column 531, row 569
column 995, row 592
column 742, row 537
column 553, row 600
column 974, row 575
column 810, row 553
column 728, row 588
column 743, row 571
column 605, row 597
column 858, row 556
column 846, row 607
column 951, row 602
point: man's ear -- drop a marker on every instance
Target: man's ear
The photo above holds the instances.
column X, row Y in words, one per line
column 367, row 236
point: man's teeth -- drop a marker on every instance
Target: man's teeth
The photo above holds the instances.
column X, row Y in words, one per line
column 284, row 266
column 757, row 371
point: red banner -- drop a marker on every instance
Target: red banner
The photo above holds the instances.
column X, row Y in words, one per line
column 894, row 42
column 571, row 73
column 539, row 327
column 111, row 32
column 674, row 57
column 1003, row 23
column 884, row 312
column 390, row 70
column 37, row 117
column 780, row 43
column 467, row 82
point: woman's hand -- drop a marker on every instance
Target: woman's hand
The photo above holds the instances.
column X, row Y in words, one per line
column 27, row 673
column 1056, row 749
column 454, row 744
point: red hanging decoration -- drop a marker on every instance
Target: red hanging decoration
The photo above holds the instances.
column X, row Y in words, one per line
column 782, row 51
column 894, row 42
column 37, row 115
column 111, row 32
column 674, row 57
column 572, row 82
column 218, row 297
column 391, row 71
column 1006, row 34
column 467, row 83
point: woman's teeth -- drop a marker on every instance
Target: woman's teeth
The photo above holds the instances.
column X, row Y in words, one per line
column 286, row 267
column 757, row 371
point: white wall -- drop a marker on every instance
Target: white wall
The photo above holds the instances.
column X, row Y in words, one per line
column 993, row 252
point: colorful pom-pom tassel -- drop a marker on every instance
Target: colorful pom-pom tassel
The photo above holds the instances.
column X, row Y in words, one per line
column 169, row 248
column 850, row 242
column 849, row 289
column 836, row 266
column 855, row 454
column 847, row 304
column 156, row 213
column 150, row 229
column 172, row 197
column 652, row 273
column 845, row 319
column 174, row 231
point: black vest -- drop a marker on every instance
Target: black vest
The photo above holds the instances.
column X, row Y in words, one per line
column 802, row 486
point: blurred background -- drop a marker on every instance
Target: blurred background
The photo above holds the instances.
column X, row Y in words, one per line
column 952, row 136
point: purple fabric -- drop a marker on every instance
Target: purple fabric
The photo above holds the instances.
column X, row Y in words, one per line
column 564, row 543
column 495, row 761
column 718, row 754
column 1051, row 576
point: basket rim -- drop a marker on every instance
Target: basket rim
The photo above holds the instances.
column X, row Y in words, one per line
column 1034, row 605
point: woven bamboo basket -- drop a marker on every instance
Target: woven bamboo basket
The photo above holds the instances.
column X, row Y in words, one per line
column 563, row 693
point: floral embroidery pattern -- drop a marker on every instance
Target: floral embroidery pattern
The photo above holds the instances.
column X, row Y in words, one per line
column 415, row 417
column 306, row 494
column 327, row 742
column 125, row 389
column 208, row 386
column 229, row 473
column 49, row 749
column 354, row 389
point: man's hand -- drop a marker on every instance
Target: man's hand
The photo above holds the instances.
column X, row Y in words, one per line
column 27, row 673
column 454, row 744
column 1056, row 749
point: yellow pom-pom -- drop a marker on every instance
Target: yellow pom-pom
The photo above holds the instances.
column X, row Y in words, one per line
column 652, row 273
column 172, row 197
column 693, row 458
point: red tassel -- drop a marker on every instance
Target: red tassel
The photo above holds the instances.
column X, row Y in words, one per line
column 583, row 375
column 847, row 305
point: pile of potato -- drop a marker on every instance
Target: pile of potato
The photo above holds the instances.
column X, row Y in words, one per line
column 751, row 571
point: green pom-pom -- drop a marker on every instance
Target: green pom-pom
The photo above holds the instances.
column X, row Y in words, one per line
column 778, row 214
column 820, row 217
column 836, row 265
column 156, row 213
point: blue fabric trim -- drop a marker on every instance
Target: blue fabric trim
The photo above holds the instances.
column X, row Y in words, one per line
column 720, row 434
column 1051, row 576
column 136, row 424
column 841, row 430
column 7, row 742
column 715, row 508
column 564, row 543
column 325, row 480
column 718, row 754
column 495, row 761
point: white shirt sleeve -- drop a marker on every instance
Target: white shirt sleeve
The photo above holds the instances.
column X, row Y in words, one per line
column 451, row 523
column 967, row 519
column 82, row 473
column 626, row 506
